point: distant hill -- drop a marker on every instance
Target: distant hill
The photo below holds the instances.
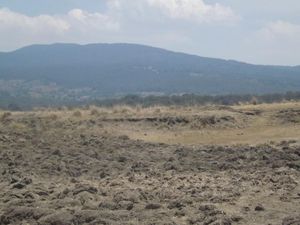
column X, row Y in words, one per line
column 111, row 69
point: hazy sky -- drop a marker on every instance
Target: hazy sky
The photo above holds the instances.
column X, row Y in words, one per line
column 255, row 31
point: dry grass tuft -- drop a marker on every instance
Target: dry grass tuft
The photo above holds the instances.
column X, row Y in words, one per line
column 53, row 116
column 5, row 115
column 77, row 113
column 18, row 127
column 94, row 112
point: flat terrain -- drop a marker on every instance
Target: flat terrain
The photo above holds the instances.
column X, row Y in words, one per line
column 160, row 165
column 222, row 125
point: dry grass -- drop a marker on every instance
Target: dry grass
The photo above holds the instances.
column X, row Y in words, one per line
column 262, row 127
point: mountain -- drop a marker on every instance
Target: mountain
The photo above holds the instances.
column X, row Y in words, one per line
column 110, row 69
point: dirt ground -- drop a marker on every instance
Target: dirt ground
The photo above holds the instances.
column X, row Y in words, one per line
column 163, row 165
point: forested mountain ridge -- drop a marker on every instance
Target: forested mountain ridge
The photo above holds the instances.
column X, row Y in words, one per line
column 112, row 69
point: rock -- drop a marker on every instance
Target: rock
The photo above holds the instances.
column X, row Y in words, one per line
column 225, row 221
column 19, row 185
column 291, row 221
column 73, row 180
column 14, row 214
column 122, row 159
column 207, row 207
column 246, row 209
column 57, row 152
column 108, row 205
column 175, row 204
column 59, row 218
column 103, row 175
column 294, row 165
column 152, row 206
column 210, row 220
column 170, row 166
column 127, row 205
column 4, row 220
column 42, row 193
column 82, row 188
column 179, row 213
column 85, row 216
column 26, row 181
column 128, row 195
column 124, row 137
column 259, row 208
column 14, row 180
column 236, row 218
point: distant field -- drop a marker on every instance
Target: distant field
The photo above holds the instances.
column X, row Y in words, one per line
column 233, row 125
column 252, row 124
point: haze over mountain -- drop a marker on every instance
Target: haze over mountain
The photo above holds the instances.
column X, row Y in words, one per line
column 112, row 69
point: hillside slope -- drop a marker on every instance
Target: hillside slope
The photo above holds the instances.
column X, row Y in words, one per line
column 128, row 68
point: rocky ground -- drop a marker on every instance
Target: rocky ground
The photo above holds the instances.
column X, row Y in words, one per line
column 61, row 171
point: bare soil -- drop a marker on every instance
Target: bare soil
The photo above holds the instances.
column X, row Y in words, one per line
column 70, row 168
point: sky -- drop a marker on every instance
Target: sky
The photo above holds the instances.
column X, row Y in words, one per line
column 253, row 31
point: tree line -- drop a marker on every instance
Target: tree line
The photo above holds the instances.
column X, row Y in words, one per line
column 193, row 99
column 27, row 103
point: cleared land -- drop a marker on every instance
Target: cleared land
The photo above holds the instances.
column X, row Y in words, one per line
column 159, row 165
column 221, row 125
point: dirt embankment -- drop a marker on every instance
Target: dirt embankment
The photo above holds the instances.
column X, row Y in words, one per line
column 175, row 122
column 291, row 116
